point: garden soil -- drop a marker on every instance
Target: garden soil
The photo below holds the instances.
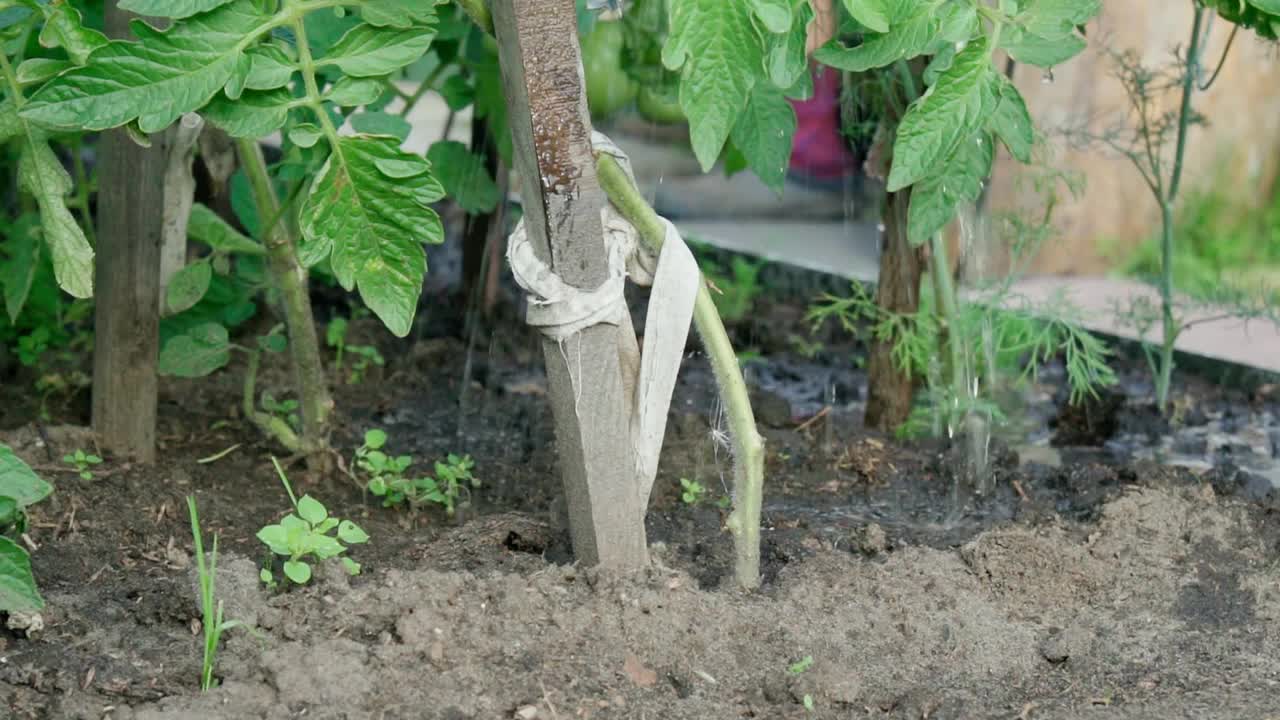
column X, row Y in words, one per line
column 1086, row 588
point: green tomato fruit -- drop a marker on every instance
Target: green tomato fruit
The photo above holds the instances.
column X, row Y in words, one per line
column 609, row 88
column 657, row 106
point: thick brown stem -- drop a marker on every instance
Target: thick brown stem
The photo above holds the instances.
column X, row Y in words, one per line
column 889, row 388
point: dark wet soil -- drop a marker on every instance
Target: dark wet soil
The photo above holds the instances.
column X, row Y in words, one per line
column 1092, row 580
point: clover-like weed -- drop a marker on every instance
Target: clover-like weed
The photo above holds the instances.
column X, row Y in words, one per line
column 82, row 463
column 303, row 536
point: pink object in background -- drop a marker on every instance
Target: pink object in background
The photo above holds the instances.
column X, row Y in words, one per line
column 820, row 151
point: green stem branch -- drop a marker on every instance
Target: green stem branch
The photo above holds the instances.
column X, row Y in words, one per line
column 748, row 446
column 290, row 279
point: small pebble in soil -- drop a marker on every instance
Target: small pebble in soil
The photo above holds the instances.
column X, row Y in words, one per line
column 1062, row 645
column 870, row 540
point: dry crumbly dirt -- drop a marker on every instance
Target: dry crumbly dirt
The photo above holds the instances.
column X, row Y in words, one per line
column 1165, row 608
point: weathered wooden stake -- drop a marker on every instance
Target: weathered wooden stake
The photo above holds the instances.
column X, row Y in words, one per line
column 562, row 200
column 127, row 282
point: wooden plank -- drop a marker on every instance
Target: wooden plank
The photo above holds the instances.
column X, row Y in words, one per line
column 562, row 200
column 127, row 280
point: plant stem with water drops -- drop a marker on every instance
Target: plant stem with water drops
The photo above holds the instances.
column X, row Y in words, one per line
column 748, row 446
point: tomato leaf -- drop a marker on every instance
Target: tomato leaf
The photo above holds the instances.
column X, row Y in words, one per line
column 255, row 114
column 156, row 80
column 188, row 286
column 1012, row 122
column 19, row 482
column 935, row 199
column 905, row 40
column 774, row 14
column 204, row 225
column 949, row 112
column 871, row 14
column 399, row 13
column 719, row 54
column 464, row 176
column 785, row 60
column 41, row 174
column 1042, row 52
column 368, row 51
column 764, row 133
column 171, row 8
column 18, row 591
column 18, row 267
column 373, row 230
column 204, row 349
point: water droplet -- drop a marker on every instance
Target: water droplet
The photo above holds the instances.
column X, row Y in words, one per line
column 960, row 46
column 880, row 227
column 1048, row 77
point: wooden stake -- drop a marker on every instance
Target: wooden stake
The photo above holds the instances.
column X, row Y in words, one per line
column 127, row 282
column 562, row 200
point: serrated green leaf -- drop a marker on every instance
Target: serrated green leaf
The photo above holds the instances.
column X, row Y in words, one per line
column 353, row 92
column 19, row 481
column 256, row 114
column 957, row 23
column 464, row 176
column 786, row 61
column 904, row 41
column 351, row 534
column 311, row 510
column 269, row 68
column 34, row 70
column 156, row 80
column 381, row 123
column 188, row 286
column 375, row 439
column 42, row 176
column 204, row 349
column 1042, row 52
column 871, row 14
column 18, row 268
column 775, row 15
column 764, row 133
column 368, row 51
column 305, row 135
column 64, row 28
column 935, row 199
column 204, row 225
column 297, row 571
column 18, row 591
column 947, row 114
column 171, row 8
column 372, row 230
column 1012, row 122
column 719, row 54
column 399, row 13
column 938, row 64
column 1056, row 19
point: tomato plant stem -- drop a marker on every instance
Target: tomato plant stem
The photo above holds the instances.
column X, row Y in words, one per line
column 289, row 278
column 748, row 446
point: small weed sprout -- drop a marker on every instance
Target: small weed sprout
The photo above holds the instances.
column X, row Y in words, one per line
column 304, row 534
column 286, row 410
column 692, row 492
column 734, row 292
column 801, row 666
column 362, row 356
column 82, row 463
column 211, row 622
column 386, row 476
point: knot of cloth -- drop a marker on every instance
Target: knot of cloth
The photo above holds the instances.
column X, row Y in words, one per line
column 560, row 311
